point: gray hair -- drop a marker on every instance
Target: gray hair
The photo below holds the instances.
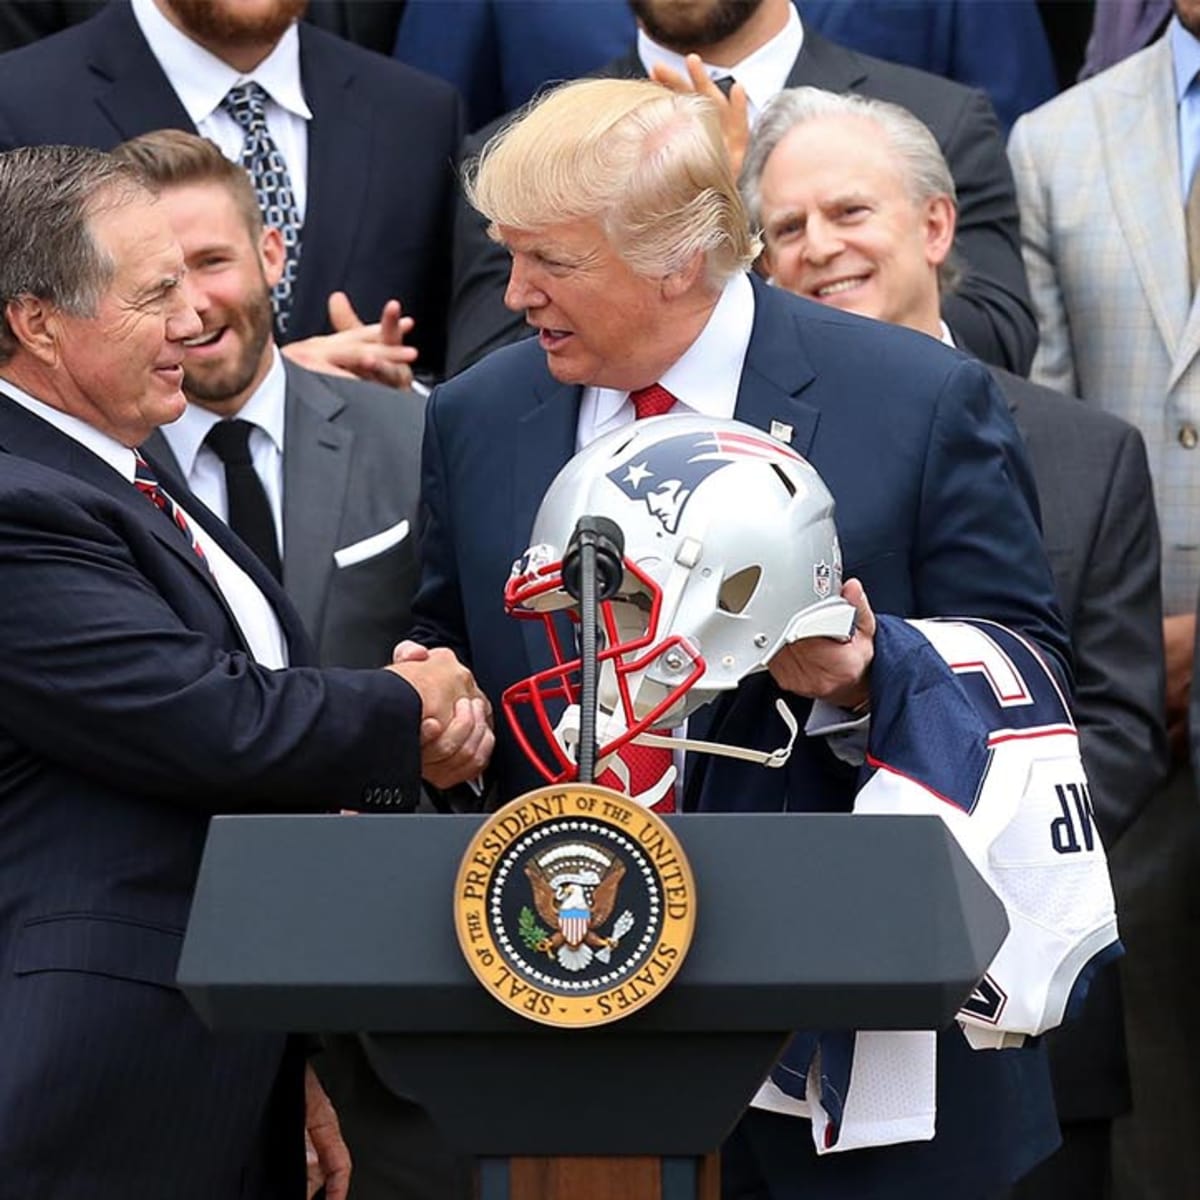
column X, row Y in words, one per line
column 922, row 164
column 48, row 195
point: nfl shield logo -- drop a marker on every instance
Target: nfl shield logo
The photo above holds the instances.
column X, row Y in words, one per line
column 822, row 579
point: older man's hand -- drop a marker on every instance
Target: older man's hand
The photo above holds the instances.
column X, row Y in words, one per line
column 456, row 727
column 376, row 353
column 327, row 1158
column 823, row 668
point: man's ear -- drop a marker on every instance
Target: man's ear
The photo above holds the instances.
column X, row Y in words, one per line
column 941, row 219
column 681, row 281
column 35, row 324
column 272, row 254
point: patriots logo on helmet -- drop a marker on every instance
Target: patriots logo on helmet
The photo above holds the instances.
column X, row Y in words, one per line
column 665, row 475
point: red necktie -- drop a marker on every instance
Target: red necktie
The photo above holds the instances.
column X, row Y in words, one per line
column 646, row 765
column 147, row 483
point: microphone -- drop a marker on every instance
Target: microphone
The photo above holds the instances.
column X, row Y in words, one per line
column 592, row 569
column 605, row 536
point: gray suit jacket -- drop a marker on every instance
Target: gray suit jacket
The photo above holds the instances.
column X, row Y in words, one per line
column 1097, row 174
column 1101, row 537
column 351, row 479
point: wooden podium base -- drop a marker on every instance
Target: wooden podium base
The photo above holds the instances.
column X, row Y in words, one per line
column 592, row 1178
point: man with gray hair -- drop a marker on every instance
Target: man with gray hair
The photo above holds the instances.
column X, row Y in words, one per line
column 152, row 673
column 629, row 247
column 857, row 210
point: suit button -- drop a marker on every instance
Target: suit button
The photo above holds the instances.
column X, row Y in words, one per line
column 1188, row 436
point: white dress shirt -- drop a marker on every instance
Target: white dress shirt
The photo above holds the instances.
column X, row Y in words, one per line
column 762, row 73
column 254, row 615
column 704, row 381
column 201, row 80
column 204, row 471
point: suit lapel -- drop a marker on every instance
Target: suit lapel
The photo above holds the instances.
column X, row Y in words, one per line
column 139, row 98
column 825, row 64
column 1139, row 139
column 317, row 454
column 774, row 375
column 545, row 441
column 339, row 175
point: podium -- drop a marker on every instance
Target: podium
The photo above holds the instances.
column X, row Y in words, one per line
column 822, row 921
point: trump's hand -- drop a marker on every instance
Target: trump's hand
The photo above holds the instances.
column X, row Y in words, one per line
column 327, row 1158
column 376, row 353
column 456, row 726
column 823, row 668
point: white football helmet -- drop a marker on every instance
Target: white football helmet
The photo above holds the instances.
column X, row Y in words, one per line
column 730, row 553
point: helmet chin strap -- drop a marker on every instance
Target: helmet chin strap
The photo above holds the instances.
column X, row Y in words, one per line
column 567, row 735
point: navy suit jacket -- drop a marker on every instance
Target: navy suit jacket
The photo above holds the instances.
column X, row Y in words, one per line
column 381, row 149
column 935, row 516
column 130, row 711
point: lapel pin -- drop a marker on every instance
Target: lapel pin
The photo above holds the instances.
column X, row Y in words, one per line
column 781, row 432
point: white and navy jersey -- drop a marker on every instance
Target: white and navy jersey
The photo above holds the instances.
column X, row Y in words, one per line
column 967, row 724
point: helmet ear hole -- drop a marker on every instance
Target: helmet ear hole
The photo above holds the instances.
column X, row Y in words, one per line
column 737, row 590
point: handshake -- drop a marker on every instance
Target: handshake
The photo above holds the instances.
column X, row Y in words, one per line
column 456, row 718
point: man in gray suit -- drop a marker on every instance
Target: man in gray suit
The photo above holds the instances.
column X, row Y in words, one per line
column 858, row 211
column 317, row 474
column 1106, row 176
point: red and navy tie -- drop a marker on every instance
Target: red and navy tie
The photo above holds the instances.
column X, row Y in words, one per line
column 147, row 483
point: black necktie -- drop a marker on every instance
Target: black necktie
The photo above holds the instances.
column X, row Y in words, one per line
column 249, row 510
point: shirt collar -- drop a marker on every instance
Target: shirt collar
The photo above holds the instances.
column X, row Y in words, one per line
column 119, row 457
column 762, row 73
column 948, row 337
column 1185, row 55
column 264, row 409
column 706, row 379
column 201, row 79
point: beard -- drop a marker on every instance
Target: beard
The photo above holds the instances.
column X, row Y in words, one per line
column 215, row 383
column 229, row 23
column 688, row 26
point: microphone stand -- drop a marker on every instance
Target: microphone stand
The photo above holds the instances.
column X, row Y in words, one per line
column 592, row 572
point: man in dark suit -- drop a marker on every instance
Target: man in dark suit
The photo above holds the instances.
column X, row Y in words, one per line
column 152, row 673
column 857, row 208
column 762, row 46
column 333, row 476
column 629, row 245
column 379, row 138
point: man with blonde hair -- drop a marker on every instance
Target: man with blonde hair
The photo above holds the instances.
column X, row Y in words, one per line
column 629, row 245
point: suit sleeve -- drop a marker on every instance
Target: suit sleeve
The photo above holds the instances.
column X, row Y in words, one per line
column 978, row 545
column 991, row 312
column 1117, row 635
column 100, row 673
column 438, row 618
column 1054, row 363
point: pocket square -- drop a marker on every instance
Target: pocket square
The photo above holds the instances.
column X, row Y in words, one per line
column 376, row 544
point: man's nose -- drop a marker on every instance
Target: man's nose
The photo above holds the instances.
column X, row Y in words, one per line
column 183, row 322
column 522, row 291
column 822, row 240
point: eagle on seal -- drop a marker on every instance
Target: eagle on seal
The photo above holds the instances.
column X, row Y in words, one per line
column 575, row 891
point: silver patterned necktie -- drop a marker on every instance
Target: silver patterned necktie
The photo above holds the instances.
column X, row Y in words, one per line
column 246, row 104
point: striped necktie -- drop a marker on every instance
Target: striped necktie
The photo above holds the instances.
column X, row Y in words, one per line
column 147, row 483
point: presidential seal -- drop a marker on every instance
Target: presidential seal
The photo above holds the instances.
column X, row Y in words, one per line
column 574, row 905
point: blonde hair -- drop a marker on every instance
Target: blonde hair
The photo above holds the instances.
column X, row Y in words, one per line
column 645, row 163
